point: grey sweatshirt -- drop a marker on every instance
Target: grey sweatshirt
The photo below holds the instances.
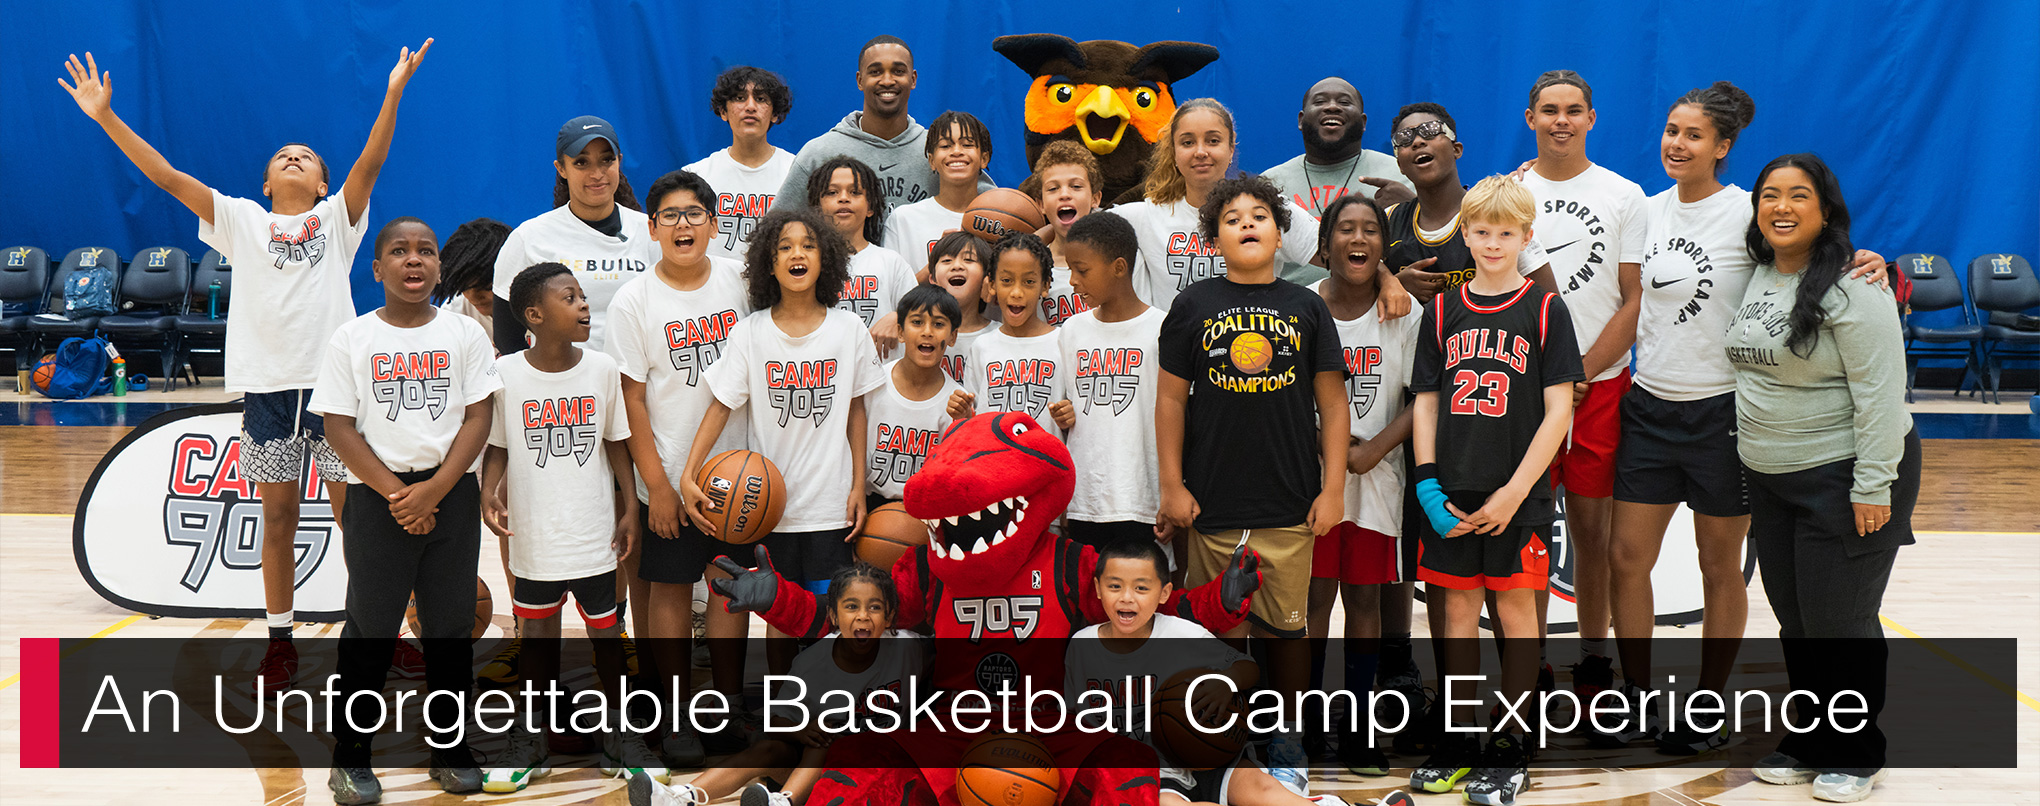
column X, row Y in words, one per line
column 1844, row 400
column 901, row 162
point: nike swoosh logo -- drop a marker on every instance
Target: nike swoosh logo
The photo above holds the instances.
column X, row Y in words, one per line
column 1656, row 284
column 884, row 168
column 591, row 126
column 1768, row 293
column 1550, row 250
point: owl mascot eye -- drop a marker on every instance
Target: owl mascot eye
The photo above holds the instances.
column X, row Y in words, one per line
column 1110, row 96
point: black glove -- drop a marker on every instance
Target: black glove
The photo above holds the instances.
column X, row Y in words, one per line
column 751, row 589
column 1241, row 578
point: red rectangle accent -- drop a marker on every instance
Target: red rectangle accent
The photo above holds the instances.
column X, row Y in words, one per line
column 39, row 702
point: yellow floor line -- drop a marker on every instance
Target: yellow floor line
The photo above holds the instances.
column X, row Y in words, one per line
column 114, row 628
column 33, row 515
column 2024, row 698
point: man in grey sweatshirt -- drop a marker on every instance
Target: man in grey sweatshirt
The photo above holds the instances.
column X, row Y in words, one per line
column 881, row 135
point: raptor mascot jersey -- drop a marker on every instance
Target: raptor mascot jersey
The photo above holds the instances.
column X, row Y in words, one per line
column 1002, row 597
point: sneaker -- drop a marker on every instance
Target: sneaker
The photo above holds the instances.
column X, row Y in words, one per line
column 1396, row 798
column 1783, row 770
column 408, row 662
column 353, row 786
column 1452, row 761
column 1686, row 741
column 684, row 749
column 278, row 669
column 1320, row 800
column 644, row 790
column 526, row 750
column 624, row 754
column 1635, row 721
column 455, row 770
column 1837, row 787
column 1287, row 763
column 1592, row 675
column 1546, row 681
column 1364, row 760
column 1501, row 775
column 762, row 795
column 502, row 669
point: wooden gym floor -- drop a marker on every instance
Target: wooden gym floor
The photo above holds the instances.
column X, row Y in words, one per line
column 1974, row 573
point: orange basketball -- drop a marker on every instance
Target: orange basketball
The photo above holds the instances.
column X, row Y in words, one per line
column 44, row 369
column 1251, row 352
column 889, row 533
column 1007, row 770
column 1181, row 741
column 485, row 608
column 746, row 495
column 1000, row 212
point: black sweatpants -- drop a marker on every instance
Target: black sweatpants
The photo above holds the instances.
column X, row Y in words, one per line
column 1826, row 584
column 385, row 565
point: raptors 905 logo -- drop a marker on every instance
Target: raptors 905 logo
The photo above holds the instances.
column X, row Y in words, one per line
column 218, row 513
column 561, row 427
column 411, row 381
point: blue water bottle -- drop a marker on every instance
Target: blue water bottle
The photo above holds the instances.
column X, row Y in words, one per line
column 212, row 300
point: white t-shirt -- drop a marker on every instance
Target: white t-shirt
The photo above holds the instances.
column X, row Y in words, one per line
column 878, row 278
column 804, row 386
column 562, row 511
column 901, row 432
column 1111, row 382
column 1694, row 273
column 665, row 338
column 743, row 195
column 1589, row 224
column 291, row 278
column 1173, row 254
column 957, row 355
column 1062, row 301
column 459, row 304
column 1174, row 645
column 602, row 263
column 1379, row 357
column 900, row 657
column 407, row 388
column 912, row 230
column 1012, row 373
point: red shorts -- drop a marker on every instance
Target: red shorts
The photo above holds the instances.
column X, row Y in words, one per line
column 1585, row 464
column 1357, row 556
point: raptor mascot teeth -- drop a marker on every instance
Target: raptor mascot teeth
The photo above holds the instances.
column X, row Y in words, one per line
column 1110, row 96
column 1002, row 597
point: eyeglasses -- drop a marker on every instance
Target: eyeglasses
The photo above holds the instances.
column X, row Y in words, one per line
column 1425, row 131
column 670, row 217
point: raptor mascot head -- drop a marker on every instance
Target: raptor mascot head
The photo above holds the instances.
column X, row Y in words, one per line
column 1110, row 96
column 989, row 492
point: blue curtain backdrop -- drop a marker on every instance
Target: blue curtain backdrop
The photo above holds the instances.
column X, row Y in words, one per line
column 1927, row 110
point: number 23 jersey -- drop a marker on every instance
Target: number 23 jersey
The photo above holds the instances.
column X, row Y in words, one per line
column 1490, row 358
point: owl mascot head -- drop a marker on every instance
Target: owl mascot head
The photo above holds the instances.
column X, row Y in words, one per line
column 1110, row 96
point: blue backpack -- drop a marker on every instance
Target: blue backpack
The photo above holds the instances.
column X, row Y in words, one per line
column 79, row 369
column 89, row 290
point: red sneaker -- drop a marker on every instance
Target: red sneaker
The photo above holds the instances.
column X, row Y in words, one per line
column 408, row 663
column 277, row 670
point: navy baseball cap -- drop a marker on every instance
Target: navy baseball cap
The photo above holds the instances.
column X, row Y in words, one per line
column 579, row 132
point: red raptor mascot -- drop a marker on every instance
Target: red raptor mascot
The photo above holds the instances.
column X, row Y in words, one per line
column 1002, row 598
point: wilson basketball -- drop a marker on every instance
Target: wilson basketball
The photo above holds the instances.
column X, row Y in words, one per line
column 1251, row 352
column 1179, row 739
column 745, row 495
column 889, row 533
column 44, row 369
column 1000, row 212
column 485, row 608
column 1007, row 770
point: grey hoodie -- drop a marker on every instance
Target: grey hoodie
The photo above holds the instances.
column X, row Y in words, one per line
column 901, row 162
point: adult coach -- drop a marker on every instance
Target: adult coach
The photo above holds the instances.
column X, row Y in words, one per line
column 1333, row 120
column 881, row 135
column 1832, row 457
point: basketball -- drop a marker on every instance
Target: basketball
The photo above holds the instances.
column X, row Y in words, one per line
column 745, row 495
column 44, row 368
column 1000, row 212
column 1180, row 740
column 1007, row 770
column 485, row 608
column 1251, row 352
column 889, row 533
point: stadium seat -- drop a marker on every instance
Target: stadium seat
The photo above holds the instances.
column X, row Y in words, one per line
column 51, row 326
column 154, row 289
column 1935, row 288
column 2003, row 286
column 24, row 283
column 199, row 330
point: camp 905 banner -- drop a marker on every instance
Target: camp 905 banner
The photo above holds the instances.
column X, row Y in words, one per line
column 168, row 525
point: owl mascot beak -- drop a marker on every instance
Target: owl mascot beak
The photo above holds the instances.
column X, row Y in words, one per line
column 1102, row 109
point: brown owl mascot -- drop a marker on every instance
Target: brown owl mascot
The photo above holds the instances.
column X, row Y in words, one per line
column 1110, row 96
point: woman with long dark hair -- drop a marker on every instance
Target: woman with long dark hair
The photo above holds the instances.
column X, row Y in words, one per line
column 1832, row 461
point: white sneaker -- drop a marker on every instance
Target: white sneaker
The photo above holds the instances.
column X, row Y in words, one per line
column 1288, row 764
column 527, row 750
column 760, row 795
column 646, row 791
column 624, row 755
column 1837, row 787
column 1781, row 769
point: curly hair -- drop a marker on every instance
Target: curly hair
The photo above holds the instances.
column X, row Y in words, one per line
column 468, row 260
column 1832, row 252
column 1023, row 242
column 762, row 284
column 1164, row 180
column 1223, row 194
column 1064, row 152
column 863, row 179
column 731, row 85
column 528, row 284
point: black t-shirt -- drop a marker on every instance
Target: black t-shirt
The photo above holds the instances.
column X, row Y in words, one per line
column 1250, row 440
column 1490, row 360
column 611, row 226
column 1406, row 246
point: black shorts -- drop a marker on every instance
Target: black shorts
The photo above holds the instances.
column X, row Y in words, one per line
column 1099, row 535
column 1680, row 451
column 1518, row 557
column 681, row 559
column 594, row 595
column 808, row 557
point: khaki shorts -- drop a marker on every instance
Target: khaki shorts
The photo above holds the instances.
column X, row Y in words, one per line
column 1280, row 606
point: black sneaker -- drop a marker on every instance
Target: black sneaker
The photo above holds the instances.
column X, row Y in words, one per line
column 1451, row 762
column 1592, row 675
column 1502, row 773
column 354, row 786
column 456, row 771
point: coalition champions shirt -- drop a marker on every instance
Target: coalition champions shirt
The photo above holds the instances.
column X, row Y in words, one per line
column 1379, row 356
column 901, row 432
column 553, row 426
column 292, row 279
column 602, row 263
column 743, row 195
column 799, row 390
column 407, row 388
column 1174, row 255
column 1112, row 382
column 666, row 339
column 1589, row 225
column 1695, row 270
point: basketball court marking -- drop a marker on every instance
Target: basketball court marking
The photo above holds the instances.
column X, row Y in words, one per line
column 2024, row 698
column 114, row 628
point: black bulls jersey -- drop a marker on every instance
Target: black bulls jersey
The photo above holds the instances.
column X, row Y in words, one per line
column 1490, row 360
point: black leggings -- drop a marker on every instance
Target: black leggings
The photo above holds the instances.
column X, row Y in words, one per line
column 385, row 565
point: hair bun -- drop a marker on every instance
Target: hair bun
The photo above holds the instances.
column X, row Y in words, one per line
column 1744, row 106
